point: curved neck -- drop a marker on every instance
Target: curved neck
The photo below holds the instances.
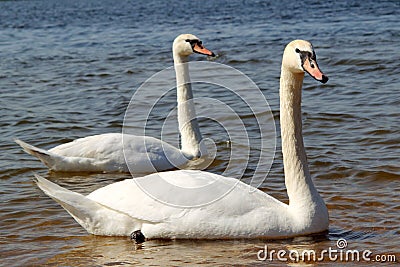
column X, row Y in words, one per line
column 188, row 125
column 300, row 188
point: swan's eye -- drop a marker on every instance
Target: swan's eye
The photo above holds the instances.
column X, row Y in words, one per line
column 297, row 50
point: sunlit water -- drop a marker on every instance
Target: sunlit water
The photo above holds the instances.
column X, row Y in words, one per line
column 68, row 69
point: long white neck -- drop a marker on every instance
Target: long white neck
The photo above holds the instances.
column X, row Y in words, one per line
column 301, row 191
column 188, row 125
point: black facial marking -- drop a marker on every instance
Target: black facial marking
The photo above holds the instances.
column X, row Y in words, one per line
column 303, row 56
column 307, row 54
column 193, row 42
column 313, row 56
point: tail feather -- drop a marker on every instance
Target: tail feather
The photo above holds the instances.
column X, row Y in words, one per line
column 43, row 155
column 71, row 163
column 94, row 217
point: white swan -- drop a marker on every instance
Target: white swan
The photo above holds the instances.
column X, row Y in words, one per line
column 105, row 152
column 242, row 212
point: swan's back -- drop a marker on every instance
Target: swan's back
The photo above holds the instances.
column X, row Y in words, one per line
column 143, row 153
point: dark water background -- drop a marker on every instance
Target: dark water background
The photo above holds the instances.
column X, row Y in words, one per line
column 69, row 68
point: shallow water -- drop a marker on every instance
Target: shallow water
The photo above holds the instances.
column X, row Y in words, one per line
column 69, row 70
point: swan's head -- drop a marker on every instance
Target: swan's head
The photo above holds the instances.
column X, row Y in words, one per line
column 299, row 57
column 187, row 44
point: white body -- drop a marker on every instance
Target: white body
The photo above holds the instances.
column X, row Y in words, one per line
column 244, row 212
column 121, row 208
column 105, row 153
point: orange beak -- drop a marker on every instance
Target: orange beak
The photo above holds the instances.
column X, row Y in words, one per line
column 198, row 48
column 311, row 67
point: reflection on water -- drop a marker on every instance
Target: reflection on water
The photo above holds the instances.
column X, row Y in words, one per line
column 68, row 70
column 118, row 251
